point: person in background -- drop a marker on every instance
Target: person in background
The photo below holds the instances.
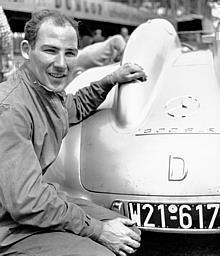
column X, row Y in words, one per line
column 37, row 217
column 6, row 47
column 101, row 54
column 85, row 36
column 98, row 37
column 124, row 33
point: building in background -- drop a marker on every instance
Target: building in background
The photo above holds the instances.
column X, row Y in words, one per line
column 185, row 14
column 111, row 15
column 95, row 14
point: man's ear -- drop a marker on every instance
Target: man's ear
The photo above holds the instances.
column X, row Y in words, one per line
column 25, row 49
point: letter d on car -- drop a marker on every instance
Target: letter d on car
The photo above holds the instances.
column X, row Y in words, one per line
column 177, row 168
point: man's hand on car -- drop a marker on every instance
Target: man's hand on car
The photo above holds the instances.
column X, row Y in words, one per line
column 120, row 236
column 128, row 72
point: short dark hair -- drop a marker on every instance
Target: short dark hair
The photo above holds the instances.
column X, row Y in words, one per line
column 37, row 18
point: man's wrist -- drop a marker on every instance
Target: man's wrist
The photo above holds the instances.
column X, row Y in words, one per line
column 97, row 229
column 112, row 79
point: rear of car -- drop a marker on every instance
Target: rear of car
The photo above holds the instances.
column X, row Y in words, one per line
column 154, row 154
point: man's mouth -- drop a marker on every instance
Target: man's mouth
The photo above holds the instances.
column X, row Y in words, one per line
column 57, row 75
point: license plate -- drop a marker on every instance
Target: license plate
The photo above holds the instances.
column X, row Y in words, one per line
column 178, row 216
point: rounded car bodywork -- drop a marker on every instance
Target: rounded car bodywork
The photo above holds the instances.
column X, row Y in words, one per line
column 152, row 149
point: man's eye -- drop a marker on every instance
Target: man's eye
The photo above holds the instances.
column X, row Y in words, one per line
column 71, row 54
column 51, row 51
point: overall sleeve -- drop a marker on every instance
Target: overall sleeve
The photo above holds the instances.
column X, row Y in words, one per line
column 23, row 193
column 118, row 43
column 86, row 100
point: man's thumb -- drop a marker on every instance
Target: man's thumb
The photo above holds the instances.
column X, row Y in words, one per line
column 128, row 222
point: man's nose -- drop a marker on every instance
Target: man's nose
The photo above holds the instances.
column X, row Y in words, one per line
column 60, row 61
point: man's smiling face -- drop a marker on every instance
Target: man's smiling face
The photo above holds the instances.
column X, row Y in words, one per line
column 53, row 58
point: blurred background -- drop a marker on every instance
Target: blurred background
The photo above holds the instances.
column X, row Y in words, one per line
column 100, row 19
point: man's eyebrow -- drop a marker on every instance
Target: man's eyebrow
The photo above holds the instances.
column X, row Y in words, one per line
column 72, row 49
column 54, row 47
column 49, row 46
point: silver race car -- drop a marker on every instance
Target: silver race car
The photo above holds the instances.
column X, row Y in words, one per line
column 152, row 149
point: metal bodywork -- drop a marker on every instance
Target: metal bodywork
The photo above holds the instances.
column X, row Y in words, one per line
column 154, row 142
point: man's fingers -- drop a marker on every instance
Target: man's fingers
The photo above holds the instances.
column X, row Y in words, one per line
column 136, row 230
column 135, row 236
column 133, row 67
column 128, row 72
column 121, row 253
column 132, row 243
column 140, row 75
column 126, row 221
column 127, row 249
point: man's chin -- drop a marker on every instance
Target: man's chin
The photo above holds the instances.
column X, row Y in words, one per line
column 55, row 88
column 60, row 89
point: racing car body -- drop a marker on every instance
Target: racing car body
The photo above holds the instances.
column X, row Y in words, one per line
column 152, row 149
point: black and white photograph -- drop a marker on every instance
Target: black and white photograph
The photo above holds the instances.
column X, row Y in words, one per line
column 109, row 127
